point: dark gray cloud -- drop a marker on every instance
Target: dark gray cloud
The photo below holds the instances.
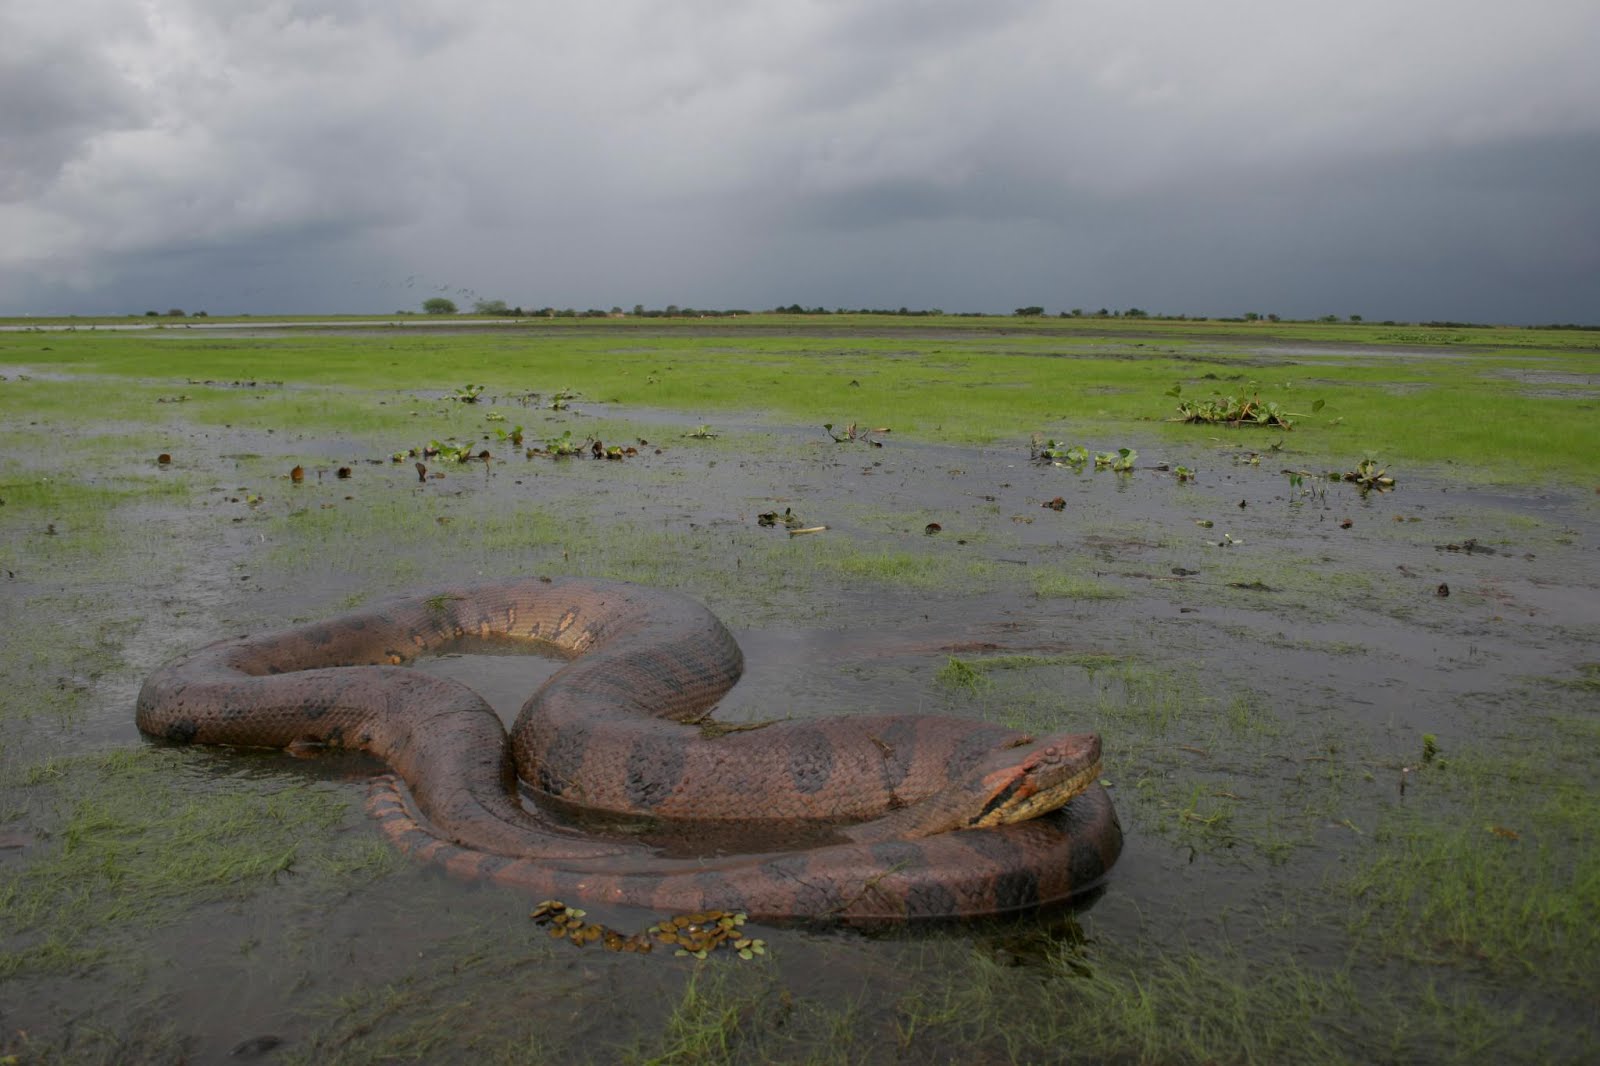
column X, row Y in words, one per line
column 60, row 92
column 1423, row 160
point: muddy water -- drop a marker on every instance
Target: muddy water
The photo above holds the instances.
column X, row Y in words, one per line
column 1237, row 641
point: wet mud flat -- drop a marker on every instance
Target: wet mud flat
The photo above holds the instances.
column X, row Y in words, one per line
column 1349, row 735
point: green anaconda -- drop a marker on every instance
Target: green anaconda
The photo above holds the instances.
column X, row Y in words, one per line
column 934, row 816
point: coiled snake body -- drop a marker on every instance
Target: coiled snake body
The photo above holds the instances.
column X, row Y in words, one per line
column 932, row 817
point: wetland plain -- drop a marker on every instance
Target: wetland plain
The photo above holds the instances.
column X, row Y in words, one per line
column 1350, row 729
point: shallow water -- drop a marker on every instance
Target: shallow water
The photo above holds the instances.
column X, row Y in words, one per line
column 1262, row 686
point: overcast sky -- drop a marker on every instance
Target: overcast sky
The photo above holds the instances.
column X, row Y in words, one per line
column 1408, row 159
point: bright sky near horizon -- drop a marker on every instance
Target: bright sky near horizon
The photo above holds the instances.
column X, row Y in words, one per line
column 1415, row 159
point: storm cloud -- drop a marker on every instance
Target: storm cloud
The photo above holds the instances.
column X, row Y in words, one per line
column 1419, row 160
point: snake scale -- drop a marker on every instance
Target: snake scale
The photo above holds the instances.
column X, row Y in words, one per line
column 921, row 816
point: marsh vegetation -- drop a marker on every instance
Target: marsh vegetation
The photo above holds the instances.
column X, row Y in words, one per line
column 1361, row 815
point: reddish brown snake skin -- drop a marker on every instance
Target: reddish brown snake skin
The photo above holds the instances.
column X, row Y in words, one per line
column 607, row 732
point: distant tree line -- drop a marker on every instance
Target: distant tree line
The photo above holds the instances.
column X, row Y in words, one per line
column 440, row 305
column 796, row 309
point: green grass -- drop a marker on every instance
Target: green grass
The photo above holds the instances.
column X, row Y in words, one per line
column 1493, row 862
column 76, row 519
column 905, row 569
column 132, row 844
column 1056, row 582
column 1074, row 997
column 959, row 674
column 78, row 501
column 958, row 382
column 706, row 1026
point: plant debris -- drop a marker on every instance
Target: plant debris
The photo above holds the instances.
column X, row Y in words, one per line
column 1056, row 453
column 788, row 519
column 1367, row 474
column 854, row 434
column 1077, row 456
column 695, row 935
column 1236, row 410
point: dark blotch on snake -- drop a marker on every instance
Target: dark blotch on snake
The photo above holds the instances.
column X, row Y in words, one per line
column 810, row 760
column 655, row 766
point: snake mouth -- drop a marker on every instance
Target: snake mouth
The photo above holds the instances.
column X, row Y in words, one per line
column 1047, row 779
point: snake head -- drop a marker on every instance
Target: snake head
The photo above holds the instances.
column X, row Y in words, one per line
column 1013, row 783
column 1023, row 782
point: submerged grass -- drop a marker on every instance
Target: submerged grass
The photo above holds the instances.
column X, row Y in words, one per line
column 906, row 569
column 129, row 843
column 1494, row 861
column 1186, row 755
column 1058, row 582
column 1082, row 1002
column 55, row 663
column 89, row 526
